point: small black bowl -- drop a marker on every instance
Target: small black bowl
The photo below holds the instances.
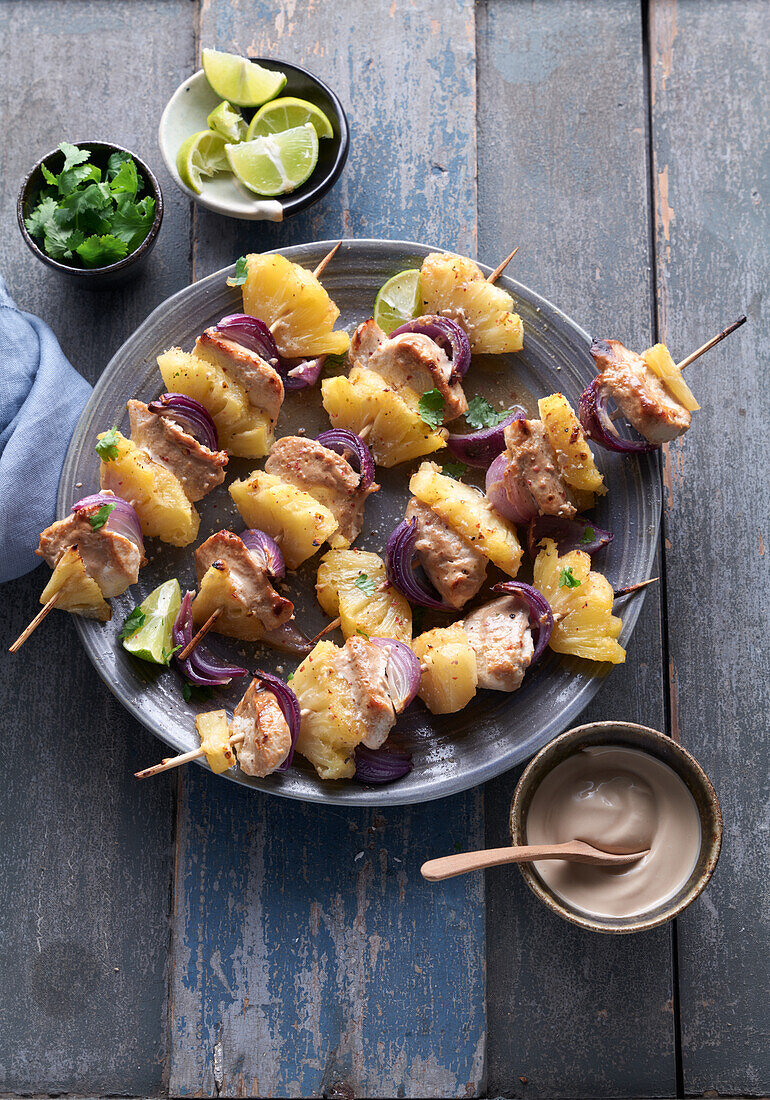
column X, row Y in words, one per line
column 92, row 278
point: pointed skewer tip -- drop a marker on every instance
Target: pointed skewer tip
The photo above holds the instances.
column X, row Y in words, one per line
column 329, row 256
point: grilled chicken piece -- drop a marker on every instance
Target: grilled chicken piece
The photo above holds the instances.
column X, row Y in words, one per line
column 251, row 584
column 501, row 638
column 363, row 665
column 263, row 384
column 410, row 360
column 639, row 394
column 112, row 560
column 456, row 569
column 198, row 469
column 327, row 476
column 533, row 470
column 265, row 731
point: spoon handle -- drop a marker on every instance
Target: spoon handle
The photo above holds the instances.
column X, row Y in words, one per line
column 576, row 851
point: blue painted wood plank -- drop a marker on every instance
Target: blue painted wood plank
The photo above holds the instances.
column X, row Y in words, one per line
column 304, row 939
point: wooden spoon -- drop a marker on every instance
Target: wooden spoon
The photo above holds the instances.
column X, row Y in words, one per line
column 577, row 851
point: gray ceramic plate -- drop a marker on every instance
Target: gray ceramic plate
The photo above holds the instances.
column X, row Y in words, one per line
column 453, row 752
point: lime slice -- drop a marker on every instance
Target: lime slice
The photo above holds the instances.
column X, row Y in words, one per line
column 239, row 80
column 276, row 163
column 203, row 154
column 286, row 113
column 152, row 641
column 228, row 122
column 398, row 301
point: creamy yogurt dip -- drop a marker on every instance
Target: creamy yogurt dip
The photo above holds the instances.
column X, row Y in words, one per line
column 620, row 800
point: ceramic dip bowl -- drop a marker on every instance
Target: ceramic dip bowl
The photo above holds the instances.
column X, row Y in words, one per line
column 627, row 735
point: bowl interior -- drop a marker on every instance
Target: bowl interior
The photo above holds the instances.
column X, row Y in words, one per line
column 632, row 736
column 187, row 111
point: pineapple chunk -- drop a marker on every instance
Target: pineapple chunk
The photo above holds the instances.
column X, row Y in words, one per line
column 393, row 429
column 587, row 628
column 156, row 494
column 297, row 522
column 80, row 593
column 294, row 306
column 658, row 359
column 449, row 675
column 470, row 514
column 243, row 431
column 214, row 733
column 216, row 593
column 363, row 608
column 566, row 435
column 455, row 287
column 331, row 726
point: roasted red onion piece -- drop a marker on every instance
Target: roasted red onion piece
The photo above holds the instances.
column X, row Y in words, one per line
column 250, row 333
column 289, row 705
column 123, row 520
column 510, row 499
column 447, row 334
column 482, row 447
column 299, row 373
column 402, row 672
column 381, row 765
column 266, row 549
column 541, row 619
column 568, row 534
column 189, row 415
column 350, row 445
column 201, row 668
column 596, row 422
column 399, row 560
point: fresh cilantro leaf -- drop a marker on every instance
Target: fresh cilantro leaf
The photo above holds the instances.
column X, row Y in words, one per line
column 241, row 271
column 480, row 413
column 431, row 408
column 132, row 221
column 567, row 579
column 289, row 677
column 362, row 633
column 107, row 446
column 186, row 692
column 70, row 180
column 73, row 155
column 366, row 584
column 126, row 179
column 98, row 519
column 588, row 535
column 86, row 209
column 48, row 176
column 134, row 622
column 41, row 218
column 167, row 654
column 454, row 469
column 101, row 251
column 59, row 243
column 116, row 160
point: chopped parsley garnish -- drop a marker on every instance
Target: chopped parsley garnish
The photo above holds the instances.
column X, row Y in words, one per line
column 480, row 413
column 89, row 221
column 241, row 271
column 289, row 677
column 366, row 584
column 567, row 579
column 134, row 622
column 454, row 469
column 98, row 519
column 588, row 535
column 107, row 446
column 431, row 408
column 362, row 633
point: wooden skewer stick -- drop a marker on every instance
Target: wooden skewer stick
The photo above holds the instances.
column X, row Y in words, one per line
column 35, row 622
column 321, row 267
column 501, row 267
column 711, row 343
column 634, row 587
column 201, row 634
column 327, row 629
column 170, row 762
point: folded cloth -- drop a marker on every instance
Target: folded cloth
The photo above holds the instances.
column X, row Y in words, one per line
column 41, row 398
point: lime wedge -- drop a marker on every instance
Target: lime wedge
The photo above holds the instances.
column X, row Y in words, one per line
column 276, row 163
column 203, row 154
column 286, row 113
column 239, row 80
column 228, row 122
column 398, row 301
column 152, row 641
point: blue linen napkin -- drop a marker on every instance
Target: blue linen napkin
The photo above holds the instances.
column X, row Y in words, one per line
column 41, row 398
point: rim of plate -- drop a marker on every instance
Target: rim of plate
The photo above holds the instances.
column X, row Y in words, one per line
column 348, row 792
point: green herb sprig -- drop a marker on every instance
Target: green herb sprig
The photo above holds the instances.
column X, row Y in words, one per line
column 241, row 271
column 431, row 408
column 480, row 414
column 567, row 579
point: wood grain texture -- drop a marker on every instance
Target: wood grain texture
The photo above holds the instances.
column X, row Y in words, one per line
column 710, row 69
column 86, row 856
column 304, row 940
column 563, row 173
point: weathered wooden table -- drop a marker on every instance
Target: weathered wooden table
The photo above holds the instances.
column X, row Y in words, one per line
column 187, row 937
